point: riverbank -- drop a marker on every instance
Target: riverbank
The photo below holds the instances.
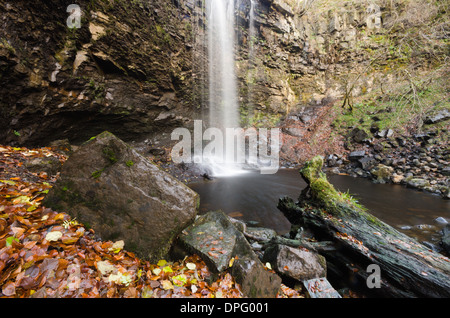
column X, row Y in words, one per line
column 47, row 254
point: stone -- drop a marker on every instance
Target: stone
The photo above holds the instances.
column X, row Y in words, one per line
column 382, row 173
column 297, row 263
column 212, row 236
column 445, row 171
column 255, row 280
column 217, row 241
column 96, row 31
column 358, row 135
column 396, row 178
column 331, row 160
column 378, row 147
column 422, row 136
column 366, row 162
column 445, row 192
column 385, row 133
column 400, row 141
column 157, row 151
column 296, row 132
column 441, row 220
column 417, row 183
column 320, row 288
column 283, row 7
column 260, row 233
column 438, row 117
column 50, row 165
column 356, row 155
column 110, row 187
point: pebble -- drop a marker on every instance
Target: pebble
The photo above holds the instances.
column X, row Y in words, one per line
column 441, row 220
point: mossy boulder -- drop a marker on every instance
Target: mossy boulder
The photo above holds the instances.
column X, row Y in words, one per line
column 137, row 203
column 382, row 173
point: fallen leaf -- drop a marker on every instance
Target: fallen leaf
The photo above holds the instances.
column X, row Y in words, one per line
column 9, row 289
column 167, row 269
column 53, row 236
column 190, row 266
column 179, row 280
column 105, row 267
column 147, row 292
column 9, row 240
column 117, row 246
column 29, row 245
column 215, row 255
column 166, row 284
column 60, row 216
column 69, row 239
column 22, row 200
column 162, row 262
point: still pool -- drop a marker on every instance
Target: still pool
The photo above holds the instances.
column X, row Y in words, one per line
column 253, row 197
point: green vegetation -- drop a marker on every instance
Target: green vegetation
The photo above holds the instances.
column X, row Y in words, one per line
column 258, row 119
column 109, row 154
column 129, row 163
column 323, row 192
column 5, row 44
column 97, row 89
column 401, row 108
column 96, row 174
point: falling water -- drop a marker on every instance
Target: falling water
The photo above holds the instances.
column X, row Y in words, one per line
column 223, row 99
column 223, row 105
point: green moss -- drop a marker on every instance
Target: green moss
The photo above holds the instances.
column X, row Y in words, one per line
column 312, row 168
column 129, row 163
column 97, row 174
column 324, row 193
column 109, row 153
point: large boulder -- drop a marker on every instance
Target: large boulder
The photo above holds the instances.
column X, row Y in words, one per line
column 297, row 263
column 214, row 238
column 107, row 185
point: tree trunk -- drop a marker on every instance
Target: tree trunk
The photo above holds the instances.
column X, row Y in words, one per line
column 407, row 268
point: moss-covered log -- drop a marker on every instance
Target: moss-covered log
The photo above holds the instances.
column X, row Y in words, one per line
column 407, row 268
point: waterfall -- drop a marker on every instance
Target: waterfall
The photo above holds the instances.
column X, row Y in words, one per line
column 226, row 153
column 223, row 104
column 223, row 100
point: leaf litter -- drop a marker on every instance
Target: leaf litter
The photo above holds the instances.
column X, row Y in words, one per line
column 46, row 253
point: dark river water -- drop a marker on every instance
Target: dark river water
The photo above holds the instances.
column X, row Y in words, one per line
column 253, row 197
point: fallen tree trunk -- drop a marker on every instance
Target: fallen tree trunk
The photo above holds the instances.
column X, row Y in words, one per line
column 407, row 268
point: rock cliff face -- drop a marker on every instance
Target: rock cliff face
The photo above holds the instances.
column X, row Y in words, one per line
column 137, row 68
column 127, row 69
column 307, row 52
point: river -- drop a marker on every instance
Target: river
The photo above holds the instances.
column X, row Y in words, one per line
column 253, row 197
